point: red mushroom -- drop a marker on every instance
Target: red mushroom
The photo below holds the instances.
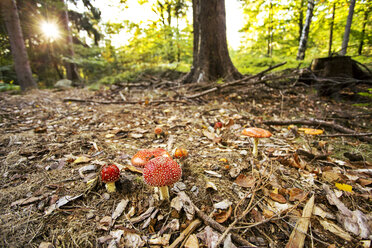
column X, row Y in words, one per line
column 109, row 175
column 143, row 156
column 256, row 133
column 162, row 172
column 217, row 126
column 158, row 132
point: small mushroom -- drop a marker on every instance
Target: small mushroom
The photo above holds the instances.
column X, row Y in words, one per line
column 181, row 153
column 256, row 134
column 162, row 172
column 158, row 132
column 143, row 156
column 217, row 126
column 109, row 175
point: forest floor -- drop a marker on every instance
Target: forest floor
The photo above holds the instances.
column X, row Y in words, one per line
column 55, row 141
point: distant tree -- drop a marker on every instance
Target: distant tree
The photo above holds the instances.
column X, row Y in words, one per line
column 349, row 20
column 366, row 13
column 19, row 53
column 211, row 59
column 305, row 30
column 331, row 29
column 71, row 70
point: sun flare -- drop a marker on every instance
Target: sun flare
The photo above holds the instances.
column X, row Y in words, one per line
column 50, row 30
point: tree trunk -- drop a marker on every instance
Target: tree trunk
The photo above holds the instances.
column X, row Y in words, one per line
column 349, row 20
column 211, row 56
column 301, row 20
column 71, row 69
column 305, row 30
column 331, row 30
column 363, row 32
column 17, row 45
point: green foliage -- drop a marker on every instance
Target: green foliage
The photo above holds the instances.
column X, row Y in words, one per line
column 9, row 86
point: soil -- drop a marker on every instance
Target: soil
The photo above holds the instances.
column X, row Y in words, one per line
column 52, row 148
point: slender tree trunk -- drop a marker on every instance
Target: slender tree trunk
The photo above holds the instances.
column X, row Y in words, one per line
column 270, row 31
column 71, row 69
column 331, row 30
column 305, row 31
column 363, row 32
column 349, row 20
column 300, row 21
column 17, row 45
column 211, row 56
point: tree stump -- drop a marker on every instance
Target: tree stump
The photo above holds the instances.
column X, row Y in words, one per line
column 332, row 67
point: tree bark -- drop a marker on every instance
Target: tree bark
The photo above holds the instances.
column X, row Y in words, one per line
column 363, row 32
column 331, row 30
column 71, row 69
column 305, row 30
column 301, row 20
column 349, row 20
column 17, row 45
column 211, row 56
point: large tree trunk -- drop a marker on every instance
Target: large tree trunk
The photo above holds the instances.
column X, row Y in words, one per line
column 17, row 45
column 300, row 20
column 211, row 56
column 305, row 30
column 71, row 69
column 331, row 30
column 349, row 20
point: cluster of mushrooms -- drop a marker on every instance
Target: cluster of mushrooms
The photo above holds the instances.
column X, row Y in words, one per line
column 160, row 170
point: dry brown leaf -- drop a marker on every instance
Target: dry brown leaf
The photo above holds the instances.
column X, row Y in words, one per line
column 268, row 213
column 209, row 135
column 192, row 242
column 222, row 216
column 278, row 198
column 245, row 181
column 331, row 176
column 81, row 160
column 364, row 182
column 296, row 194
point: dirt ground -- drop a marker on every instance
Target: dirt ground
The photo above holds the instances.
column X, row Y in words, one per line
column 52, row 149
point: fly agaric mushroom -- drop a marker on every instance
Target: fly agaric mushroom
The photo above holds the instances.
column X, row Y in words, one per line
column 256, row 133
column 162, row 172
column 181, row 153
column 217, row 126
column 143, row 156
column 158, row 132
column 109, row 175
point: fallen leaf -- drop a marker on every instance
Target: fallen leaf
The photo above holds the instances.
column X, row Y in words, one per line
column 364, row 182
column 335, row 229
column 296, row 194
column 81, row 160
column 136, row 135
column 210, row 185
column 192, row 242
column 209, row 135
column 344, row 187
column 223, row 215
column 331, row 176
column 245, row 181
column 213, row 173
column 278, row 198
column 267, row 213
column 120, row 209
column 163, row 240
column 222, row 204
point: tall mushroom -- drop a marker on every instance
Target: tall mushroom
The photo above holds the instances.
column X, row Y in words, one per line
column 109, row 175
column 143, row 156
column 162, row 172
column 256, row 134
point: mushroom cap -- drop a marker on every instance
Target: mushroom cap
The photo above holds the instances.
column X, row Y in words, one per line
column 161, row 171
column 158, row 130
column 218, row 125
column 110, row 173
column 143, row 156
column 181, row 153
column 256, row 132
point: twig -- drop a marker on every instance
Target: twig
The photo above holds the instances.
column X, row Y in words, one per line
column 193, row 225
column 212, row 223
column 258, row 75
column 123, row 102
column 347, row 135
column 321, row 123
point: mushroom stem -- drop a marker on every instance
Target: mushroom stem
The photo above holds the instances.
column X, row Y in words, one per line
column 164, row 193
column 255, row 147
column 110, row 186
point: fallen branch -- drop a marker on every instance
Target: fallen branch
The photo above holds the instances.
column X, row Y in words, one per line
column 347, row 135
column 193, row 225
column 258, row 75
column 319, row 123
column 123, row 102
